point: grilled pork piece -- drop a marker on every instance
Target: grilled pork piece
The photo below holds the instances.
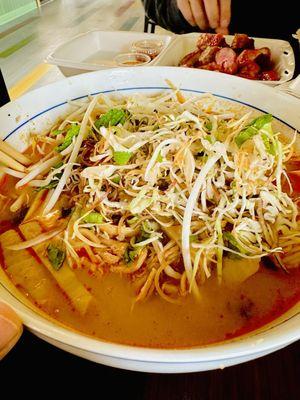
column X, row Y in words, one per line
column 190, row 59
column 261, row 56
column 208, row 55
column 211, row 39
column 251, row 70
column 226, row 60
column 270, row 75
column 241, row 42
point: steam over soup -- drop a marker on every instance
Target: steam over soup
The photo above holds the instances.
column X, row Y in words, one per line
column 158, row 221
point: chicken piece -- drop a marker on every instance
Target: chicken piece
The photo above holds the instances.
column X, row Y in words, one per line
column 208, row 55
column 211, row 39
column 109, row 258
column 190, row 59
column 251, row 70
column 226, row 60
column 270, row 75
column 261, row 56
column 241, row 42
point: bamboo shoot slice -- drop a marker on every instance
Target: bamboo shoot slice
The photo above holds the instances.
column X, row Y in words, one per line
column 65, row 277
column 24, row 270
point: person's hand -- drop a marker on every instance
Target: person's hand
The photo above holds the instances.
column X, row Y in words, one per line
column 10, row 329
column 205, row 14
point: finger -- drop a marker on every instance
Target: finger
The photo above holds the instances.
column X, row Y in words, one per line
column 223, row 31
column 199, row 14
column 225, row 13
column 10, row 329
column 212, row 12
column 185, row 8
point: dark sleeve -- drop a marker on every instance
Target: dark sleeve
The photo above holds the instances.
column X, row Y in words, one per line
column 166, row 14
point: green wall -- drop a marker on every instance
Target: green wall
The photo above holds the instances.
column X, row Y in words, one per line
column 11, row 9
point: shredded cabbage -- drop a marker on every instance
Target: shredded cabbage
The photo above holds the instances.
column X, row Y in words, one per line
column 186, row 181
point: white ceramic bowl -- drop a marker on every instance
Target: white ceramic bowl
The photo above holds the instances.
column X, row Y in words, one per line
column 38, row 109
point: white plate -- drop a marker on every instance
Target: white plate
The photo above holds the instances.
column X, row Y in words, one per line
column 282, row 54
column 38, row 109
column 95, row 50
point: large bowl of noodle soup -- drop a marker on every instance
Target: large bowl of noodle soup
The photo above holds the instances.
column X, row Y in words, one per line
column 135, row 321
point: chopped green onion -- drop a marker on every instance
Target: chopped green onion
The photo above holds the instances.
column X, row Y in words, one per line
column 116, row 179
column 159, row 158
column 130, row 254
column 193, row 238
column 245, row 135
column 93, row 218
column 132, row 220
column 122, row 157
column 259, row 122
column 50, row 185
column 71, row 133
column 232, row 244
column 267, row 137
column 54, row 182
column 208, row 125
column 270, row 148
column 142, row 236
column 252, row 129
column 56, row 132
column 58, row 165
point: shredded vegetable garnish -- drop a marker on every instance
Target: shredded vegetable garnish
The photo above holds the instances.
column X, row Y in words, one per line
column 164, row 187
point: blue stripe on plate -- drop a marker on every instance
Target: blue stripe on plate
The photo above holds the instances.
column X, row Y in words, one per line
column 140, row 88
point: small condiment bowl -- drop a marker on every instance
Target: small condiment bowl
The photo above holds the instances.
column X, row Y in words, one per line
column 132, row 59
column 150, row 47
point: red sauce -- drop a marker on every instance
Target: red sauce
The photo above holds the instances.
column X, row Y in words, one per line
column 2, row 260
column 5, row 226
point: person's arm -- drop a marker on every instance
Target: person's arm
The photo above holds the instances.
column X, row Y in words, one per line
column 10, row 329
column 166, row 14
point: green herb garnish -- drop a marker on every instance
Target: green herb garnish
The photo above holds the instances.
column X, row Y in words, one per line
column 93, row 218
column 208, row 125
column 56, row 132
column 130, row 254
column 252, row 129
column 122, row 157
column 56, row 256
column 231, row 242
column 71, row 133
column 116, row 179
column 113, row 117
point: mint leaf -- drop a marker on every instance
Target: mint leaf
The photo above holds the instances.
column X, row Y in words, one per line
column 113, row 117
